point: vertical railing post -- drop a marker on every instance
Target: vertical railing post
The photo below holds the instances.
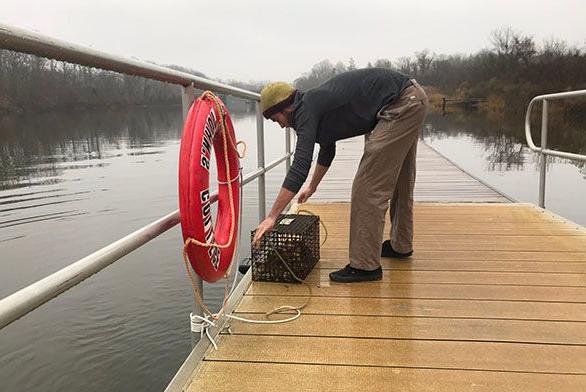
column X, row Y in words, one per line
column 187, row 98
column 260, row 158
column 288, row 148
column 543, row 155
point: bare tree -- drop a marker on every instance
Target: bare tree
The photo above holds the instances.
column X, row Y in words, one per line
column 554, row 48
column 423, row 61
column 351, row 64
column 319, row 73
column 513, row 45
column 384, row 63
column 406, row 65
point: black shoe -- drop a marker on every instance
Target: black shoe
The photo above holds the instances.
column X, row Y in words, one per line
column 350, row 274
column 388, row 251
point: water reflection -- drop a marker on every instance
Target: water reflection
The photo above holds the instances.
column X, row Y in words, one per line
column 44, row 145
column 493, row 148
column 71, row 183
column 503, row 138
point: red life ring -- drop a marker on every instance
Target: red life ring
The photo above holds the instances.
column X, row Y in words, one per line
column 210, row 249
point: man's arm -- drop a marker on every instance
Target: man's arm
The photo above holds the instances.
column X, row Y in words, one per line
column 319, row 173
column 306, row 127
column 283, row 198
column 325, row 157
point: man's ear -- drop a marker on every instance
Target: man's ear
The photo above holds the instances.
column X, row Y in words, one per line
column 289, row 114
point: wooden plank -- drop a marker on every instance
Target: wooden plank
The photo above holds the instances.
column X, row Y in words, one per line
column 437, row 178
column 427, row 291
column 269, row 377
column 473, row 254
column 409, row 307
column 453, row 219
column 475, row 229
column 467, row 265
column 405, row 353
column 494, row 243
column 449, row 209
column 461, row 218
column 455, row 277
column 513, row 244
column 488, row 330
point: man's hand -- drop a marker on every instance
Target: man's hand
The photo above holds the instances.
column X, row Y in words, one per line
column 305, row 194
column 264, row 227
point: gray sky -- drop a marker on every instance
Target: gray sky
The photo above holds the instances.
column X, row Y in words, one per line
column 269, row 40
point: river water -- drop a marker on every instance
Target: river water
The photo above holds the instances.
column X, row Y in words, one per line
column 71, row 183
column 494, row 149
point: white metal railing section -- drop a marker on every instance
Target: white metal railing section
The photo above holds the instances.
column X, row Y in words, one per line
column 543, row 150
column 29, row 298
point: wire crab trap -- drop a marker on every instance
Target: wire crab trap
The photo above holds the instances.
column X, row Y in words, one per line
column 295, row 239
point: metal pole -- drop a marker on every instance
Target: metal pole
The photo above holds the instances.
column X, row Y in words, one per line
column 187, row 98
column 543, row 155
column 288, row 148
column 550, row 97
column 260, row 158
column 20, row 40
column 31, row 297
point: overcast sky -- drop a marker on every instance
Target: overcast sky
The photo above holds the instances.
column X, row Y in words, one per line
column 270, row 40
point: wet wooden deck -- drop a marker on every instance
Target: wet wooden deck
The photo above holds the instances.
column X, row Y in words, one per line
column 438, row 179
column 493, row 299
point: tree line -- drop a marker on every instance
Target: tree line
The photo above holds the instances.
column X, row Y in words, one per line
column 510, row 72
column 29, row 82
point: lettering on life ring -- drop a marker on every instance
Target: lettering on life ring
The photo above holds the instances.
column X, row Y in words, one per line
column 209, row 131
column 208, row 227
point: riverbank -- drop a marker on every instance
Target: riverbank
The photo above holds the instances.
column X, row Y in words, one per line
column 503, row 106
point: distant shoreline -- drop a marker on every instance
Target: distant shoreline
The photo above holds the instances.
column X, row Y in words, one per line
column 77, row 108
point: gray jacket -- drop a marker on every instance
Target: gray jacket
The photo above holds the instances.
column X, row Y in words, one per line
column 344, row 106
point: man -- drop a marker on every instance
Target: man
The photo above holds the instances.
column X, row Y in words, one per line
column 389, row 109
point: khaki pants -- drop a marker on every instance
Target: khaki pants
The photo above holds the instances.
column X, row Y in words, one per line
column 386, row 176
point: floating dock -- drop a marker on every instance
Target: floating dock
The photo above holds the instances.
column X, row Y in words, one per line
column 493, row 299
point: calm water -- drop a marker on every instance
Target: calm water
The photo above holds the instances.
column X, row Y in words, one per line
column 69, row 185
column 72, row 183
column 495, row 151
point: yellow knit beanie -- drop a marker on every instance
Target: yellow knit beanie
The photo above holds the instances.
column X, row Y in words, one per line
column 276, row 96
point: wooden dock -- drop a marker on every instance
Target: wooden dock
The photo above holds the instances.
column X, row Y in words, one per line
column 438, row 180
column 494, row 299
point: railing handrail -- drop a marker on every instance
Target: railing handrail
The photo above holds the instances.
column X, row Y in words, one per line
column 31, row 297
column 550, row 97
column 543, row 150
column 21, row 40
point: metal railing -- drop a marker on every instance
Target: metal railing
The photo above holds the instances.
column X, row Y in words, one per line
column 543, row 150
column 29, row 298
